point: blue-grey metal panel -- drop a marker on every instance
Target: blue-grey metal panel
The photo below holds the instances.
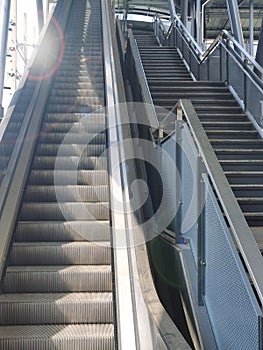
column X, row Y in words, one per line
column 230, row 301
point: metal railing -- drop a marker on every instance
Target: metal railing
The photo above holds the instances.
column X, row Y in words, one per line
column 224, row 60
column 218, row 231
column 139, row 80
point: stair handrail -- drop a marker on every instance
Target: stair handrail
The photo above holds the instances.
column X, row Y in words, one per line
column 239, row 227
column 202, row 55
column 146, row 94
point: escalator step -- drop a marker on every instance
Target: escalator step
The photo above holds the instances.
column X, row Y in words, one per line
column 66, row 194
column 58, row 337
column 60, row 253
column 75, row 117
column 69, row 163
column 55, row 308
column 71, row 135
column 58, row 279
column 70, row 177
column 64, row 211
column 48, row 231
column 70, row 150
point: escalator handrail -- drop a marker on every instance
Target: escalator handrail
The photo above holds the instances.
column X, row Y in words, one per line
column 12, row 186
column 142, row 322
column 124, row 310
column 244, row 238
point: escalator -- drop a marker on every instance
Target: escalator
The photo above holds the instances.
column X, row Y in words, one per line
column 57, row 289
column 235, row 140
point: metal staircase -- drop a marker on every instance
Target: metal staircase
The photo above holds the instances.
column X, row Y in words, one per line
column 235, row 141
column 57, row 290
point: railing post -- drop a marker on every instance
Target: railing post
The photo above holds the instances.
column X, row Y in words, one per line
column 221, row 62
column 245, row 84
column 227, row 62
column 178, row 183
column 201, row 190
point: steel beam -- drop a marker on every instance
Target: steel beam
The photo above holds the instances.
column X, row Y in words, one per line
column 234, row 17
column 4, row 25
column 40, row 14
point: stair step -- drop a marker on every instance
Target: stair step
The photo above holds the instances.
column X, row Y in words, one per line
column 248, row 190
column 56, row 279
column 59, row 337
column 251, row 204
column 239, row 154
column 232, row 134
column 245, row 177
column 60, row 253
column 242, row 165
column 237, row 143
column 229, row 125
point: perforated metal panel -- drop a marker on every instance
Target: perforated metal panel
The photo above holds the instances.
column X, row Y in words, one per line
column 189, row 191
column 229, row 298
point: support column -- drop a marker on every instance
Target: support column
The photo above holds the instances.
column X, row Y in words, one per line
column 184, row 11
column 40, row 15
column 251, row 27
column 46, row 9
column 234, row 17
column 259, row 55
column 192, row 15
column 4, row 25
column 198, row 23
